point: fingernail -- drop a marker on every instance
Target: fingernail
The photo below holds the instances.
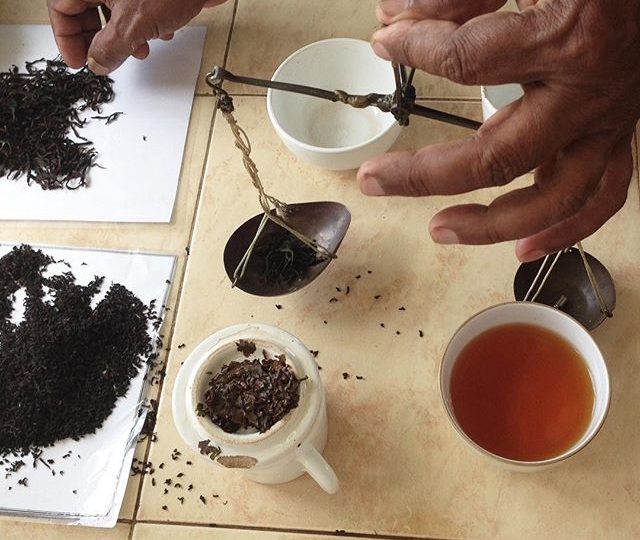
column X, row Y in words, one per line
column 371, row 186
column 444, row 236
column 531, row 256
column 381, row 50
column 96, row 68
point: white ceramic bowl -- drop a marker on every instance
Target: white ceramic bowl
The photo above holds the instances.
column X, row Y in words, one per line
column 333, row 135
column 291, row 447
column 495, row 98
column 551, row 319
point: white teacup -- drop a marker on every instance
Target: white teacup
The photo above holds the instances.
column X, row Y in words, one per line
column 293, row 446
column 330, row 135
column 550, row 319
column 495, row 98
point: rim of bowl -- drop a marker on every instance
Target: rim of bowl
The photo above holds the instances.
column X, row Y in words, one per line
column 307, row 146
column 484, row 94
column 216, row 431
column 202, row 354
column 515, row 462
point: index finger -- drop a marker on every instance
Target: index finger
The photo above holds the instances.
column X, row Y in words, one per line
column 74, row 22
column 496, row 48
column 511, row 143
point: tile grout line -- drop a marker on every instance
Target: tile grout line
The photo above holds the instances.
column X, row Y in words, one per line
column 230, row 36
column 184, row 273
column 337, row 532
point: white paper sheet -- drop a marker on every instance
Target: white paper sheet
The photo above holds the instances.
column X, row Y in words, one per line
column 140, row 178
column 100, row 475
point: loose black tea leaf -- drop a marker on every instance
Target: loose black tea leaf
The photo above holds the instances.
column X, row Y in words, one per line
column 40, row 123
column 247, row 348
column 150, row 420
column 281, row 259
column 66, row 363
column 109, row 119
column 208, row 449
column 251, row 394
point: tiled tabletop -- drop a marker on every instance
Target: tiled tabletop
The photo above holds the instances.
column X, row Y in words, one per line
column 403, row 471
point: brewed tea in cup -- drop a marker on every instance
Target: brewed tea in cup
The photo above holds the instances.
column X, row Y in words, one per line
column 525, row 384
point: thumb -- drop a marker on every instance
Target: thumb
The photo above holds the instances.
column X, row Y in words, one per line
column 110, row 47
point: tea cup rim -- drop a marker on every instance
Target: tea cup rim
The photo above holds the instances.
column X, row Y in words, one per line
column 592, row 432
column 274, row 115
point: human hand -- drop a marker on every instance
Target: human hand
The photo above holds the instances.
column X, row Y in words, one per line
column 130, row 25
column 578, row 63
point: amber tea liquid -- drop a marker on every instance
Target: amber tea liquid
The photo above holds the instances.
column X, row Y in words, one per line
column 522, row 392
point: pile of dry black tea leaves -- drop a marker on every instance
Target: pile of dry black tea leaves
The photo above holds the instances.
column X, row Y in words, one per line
column 64, row 365
column 283, row 259
column 251, row 395
column 41, row 115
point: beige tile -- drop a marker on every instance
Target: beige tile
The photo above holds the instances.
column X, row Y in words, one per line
column 265, row 33
column 402, row 468
column 145, row 531
column 172, row 237
column 218, row 22
column 23, row 12
column 20, row 530
column 128, row 509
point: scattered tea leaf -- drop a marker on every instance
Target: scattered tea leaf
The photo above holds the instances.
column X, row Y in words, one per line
column 247, row 348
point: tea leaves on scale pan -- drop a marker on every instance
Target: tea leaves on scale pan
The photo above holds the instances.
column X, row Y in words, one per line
column 40, row 122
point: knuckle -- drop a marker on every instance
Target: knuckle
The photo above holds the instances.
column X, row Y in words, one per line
column 415, row 184
column 455, row 62
column 410, row 50
column 570, row 204
column 494, row 233
column 496, row 164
